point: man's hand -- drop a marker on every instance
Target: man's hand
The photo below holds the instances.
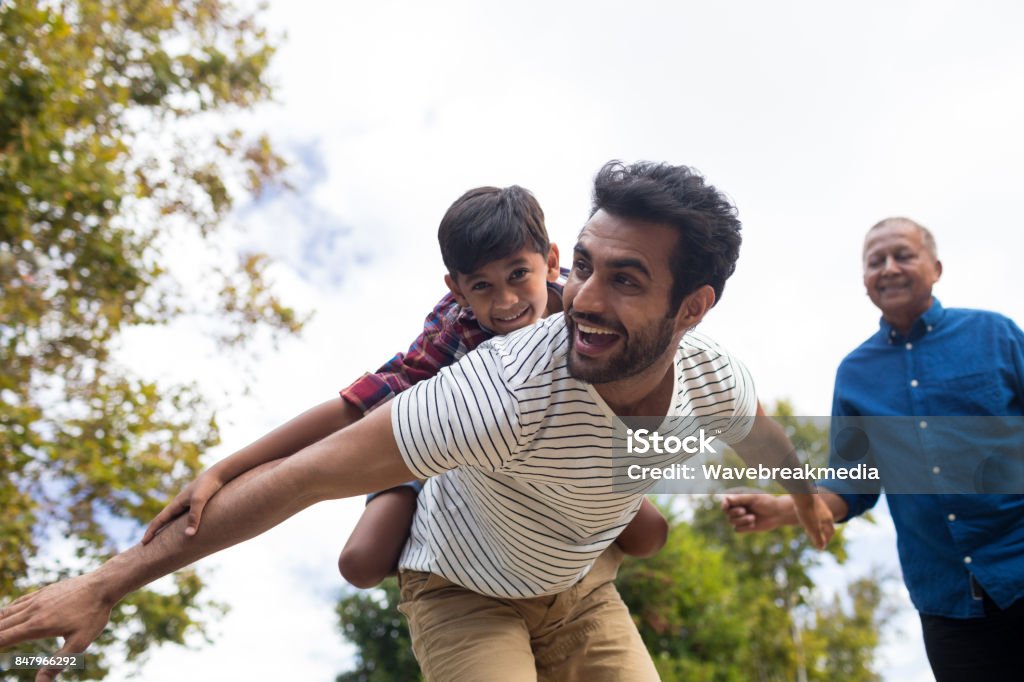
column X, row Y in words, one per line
column 816, row 518
column 751, row 512
column 360, row 459
column 73, row 609
column 192, row 499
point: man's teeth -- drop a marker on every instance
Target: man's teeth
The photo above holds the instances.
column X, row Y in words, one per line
column 592, row 330
column 509, row 319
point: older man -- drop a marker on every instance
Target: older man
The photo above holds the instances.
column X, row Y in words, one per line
column 962, row 555
column 517, row 436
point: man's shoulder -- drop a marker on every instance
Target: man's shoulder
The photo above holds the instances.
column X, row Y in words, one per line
column 696, row 348
column 534, row 353
column 703, row 360
column 979, row 316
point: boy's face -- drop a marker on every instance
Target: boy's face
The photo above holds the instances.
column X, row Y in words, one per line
column 509, row 293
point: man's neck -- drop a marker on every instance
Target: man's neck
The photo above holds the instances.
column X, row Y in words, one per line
column 648, row 393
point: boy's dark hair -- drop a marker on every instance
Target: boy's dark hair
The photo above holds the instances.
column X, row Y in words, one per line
column 489, row 223
column 677, row 196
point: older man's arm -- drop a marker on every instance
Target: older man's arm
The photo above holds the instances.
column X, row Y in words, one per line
column 359, row 459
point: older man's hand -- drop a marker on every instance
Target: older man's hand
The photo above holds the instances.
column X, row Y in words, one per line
column 73, row 609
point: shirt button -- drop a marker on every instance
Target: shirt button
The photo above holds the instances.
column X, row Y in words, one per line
column 923, row 424
column 909, row 346
column 951, row 517
column 936, row 470
column 913, row 383
column 929, row 327
column 967, row 559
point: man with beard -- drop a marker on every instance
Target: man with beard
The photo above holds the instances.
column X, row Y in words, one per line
column 515, row 441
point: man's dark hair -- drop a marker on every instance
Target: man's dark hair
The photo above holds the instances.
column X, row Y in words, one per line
column 489, row 223
column 677, row 196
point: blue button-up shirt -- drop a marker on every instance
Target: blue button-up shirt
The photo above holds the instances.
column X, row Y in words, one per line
column 954, row 362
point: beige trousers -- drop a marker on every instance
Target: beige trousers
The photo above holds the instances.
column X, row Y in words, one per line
column 583, row 633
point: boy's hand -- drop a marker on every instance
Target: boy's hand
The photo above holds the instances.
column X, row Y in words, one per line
column 72, row 609
column 192, row 499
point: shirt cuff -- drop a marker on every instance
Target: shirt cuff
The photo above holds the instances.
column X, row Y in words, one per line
column 367, row 392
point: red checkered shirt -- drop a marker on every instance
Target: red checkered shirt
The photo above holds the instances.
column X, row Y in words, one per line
column 449, row 332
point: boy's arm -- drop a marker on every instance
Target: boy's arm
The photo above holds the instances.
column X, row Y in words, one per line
column 302, row 431
column 444, row 333
column 359, row 459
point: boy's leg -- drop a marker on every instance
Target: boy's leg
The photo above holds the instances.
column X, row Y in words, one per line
column 373, row 549
column 458, row 634
column 596, row 640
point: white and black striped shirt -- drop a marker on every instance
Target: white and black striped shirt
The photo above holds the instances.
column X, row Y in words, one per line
column 520, row 500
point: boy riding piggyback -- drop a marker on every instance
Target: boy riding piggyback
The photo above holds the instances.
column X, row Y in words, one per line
column 503, row 275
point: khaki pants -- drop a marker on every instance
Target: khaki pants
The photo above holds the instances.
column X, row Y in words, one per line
column 583, row 633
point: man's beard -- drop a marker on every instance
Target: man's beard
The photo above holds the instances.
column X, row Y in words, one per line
column 641, row 349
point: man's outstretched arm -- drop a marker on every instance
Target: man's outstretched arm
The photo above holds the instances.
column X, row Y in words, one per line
column 359, row 459
column 284, row 441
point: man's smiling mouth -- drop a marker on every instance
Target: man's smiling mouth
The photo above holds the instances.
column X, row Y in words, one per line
column 594, row 339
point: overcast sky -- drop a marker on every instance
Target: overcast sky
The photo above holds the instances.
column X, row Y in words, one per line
column 817, row 119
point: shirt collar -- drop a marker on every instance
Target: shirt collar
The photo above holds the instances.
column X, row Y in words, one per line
column 466, row 314
column 922, row 326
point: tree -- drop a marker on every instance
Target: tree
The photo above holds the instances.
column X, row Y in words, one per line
column 113, row 146
column 371, row 621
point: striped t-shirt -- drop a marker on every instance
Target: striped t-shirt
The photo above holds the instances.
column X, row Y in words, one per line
column 520, row 499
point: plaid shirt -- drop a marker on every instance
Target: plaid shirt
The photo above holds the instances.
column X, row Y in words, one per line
column 449, row 332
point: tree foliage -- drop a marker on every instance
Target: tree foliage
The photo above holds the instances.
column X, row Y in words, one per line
column 113, row 146
column 717, row 606
column 712, row 606
column 371, row 621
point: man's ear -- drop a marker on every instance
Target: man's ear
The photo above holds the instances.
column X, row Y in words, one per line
column 938, row 269
column 694, row 307
column 553, row 266
column 456, row 291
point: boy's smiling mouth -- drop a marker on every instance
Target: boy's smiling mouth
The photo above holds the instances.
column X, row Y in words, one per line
column 512, row 318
